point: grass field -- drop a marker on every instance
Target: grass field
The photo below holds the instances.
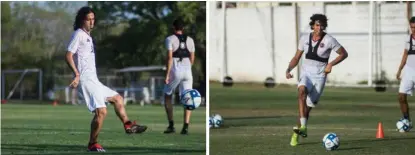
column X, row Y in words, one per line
column 64, row 129
column 259, row 121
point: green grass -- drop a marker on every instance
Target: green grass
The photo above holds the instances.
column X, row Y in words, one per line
column 64, row 129
column 259, row 121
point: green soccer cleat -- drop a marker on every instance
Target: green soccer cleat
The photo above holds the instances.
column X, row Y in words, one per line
column 302, row 131
column 294, row 139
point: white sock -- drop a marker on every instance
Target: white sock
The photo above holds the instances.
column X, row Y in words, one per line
column 303, row 121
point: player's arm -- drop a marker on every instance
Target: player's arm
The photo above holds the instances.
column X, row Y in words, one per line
column 169, row 58
column 71, row 63
column 192, row 50
column 342, row 55
column 169, row 61
column 192, row 57
column 71, row 50
column 294, row 61
column 403, row 62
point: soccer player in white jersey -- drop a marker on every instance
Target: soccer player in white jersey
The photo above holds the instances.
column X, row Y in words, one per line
column 80, row 57
column 408, row 78
column 317, row 47
column 180, row 58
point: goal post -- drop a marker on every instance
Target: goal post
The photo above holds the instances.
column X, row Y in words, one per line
column 10, row 86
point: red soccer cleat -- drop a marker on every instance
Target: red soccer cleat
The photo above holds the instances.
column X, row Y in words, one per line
column 95, row 147
column 132, row 127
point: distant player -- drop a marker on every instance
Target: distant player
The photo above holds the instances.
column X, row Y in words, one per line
column 406, row 86
column 317, row 47
column 80, row 57
column 180, row 58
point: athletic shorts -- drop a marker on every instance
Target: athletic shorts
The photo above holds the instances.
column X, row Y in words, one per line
column 407, row 81
column 94, row 93
column 184, row 79
column 314, row 86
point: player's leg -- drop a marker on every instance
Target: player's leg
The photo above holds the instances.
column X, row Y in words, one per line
column 307, row 112
column 304, row 87
column 118, row 102
column 90, row 95
column 119, row 108
column 405, row 89
column 168, row 105
column 302, row 108
column 301, row 121
column 302, row 94
column 403, row 102
column 316, row 90
column 96, row 125
column 186, row 84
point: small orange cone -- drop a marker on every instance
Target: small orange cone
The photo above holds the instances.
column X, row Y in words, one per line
column 55, row 103
column 379, row 134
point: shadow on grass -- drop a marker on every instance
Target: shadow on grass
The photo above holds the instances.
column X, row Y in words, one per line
column 28, row 149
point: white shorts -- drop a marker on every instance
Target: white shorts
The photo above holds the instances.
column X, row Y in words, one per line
column 182, row 78
column 314, row 86
column 94, row 93
column 407, row 82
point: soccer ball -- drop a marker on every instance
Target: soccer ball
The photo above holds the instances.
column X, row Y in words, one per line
column 210, row 122
column 403, row 125
column 331, row 141
column 217, row 121
column 191, row 99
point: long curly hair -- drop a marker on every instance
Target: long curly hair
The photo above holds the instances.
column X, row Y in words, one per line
column 80, row 17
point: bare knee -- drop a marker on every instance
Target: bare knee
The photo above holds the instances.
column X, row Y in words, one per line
column 101, row 112
column 302, row 92
column 116, row 99
column 402, row 98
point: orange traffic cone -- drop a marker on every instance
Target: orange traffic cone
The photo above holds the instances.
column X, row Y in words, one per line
column 55, row 103
column 379, row 134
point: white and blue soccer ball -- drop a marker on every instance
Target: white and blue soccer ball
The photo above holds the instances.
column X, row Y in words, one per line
column 331, row 141
column 215, row 121
column 210, row 122
column 403, row 125
column 191, row 99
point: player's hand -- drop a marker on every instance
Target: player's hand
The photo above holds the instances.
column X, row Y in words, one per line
column 74, row 82
column 398, row 75
column 167, row 79
column 288, row 75
column 327, row 70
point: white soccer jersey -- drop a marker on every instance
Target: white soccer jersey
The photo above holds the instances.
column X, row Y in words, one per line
column 410, row 62
column 408, row 75
column 90, row 89
column 173, row 43
column 82, row 46
column 315, row 67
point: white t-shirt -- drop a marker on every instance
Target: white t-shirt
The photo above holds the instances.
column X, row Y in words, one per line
column 82, row 46
column 173, row 43
column 410, row 61
column 314, row 67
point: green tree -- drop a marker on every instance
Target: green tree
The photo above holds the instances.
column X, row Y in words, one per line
column 133, row 33
column 35, row 37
